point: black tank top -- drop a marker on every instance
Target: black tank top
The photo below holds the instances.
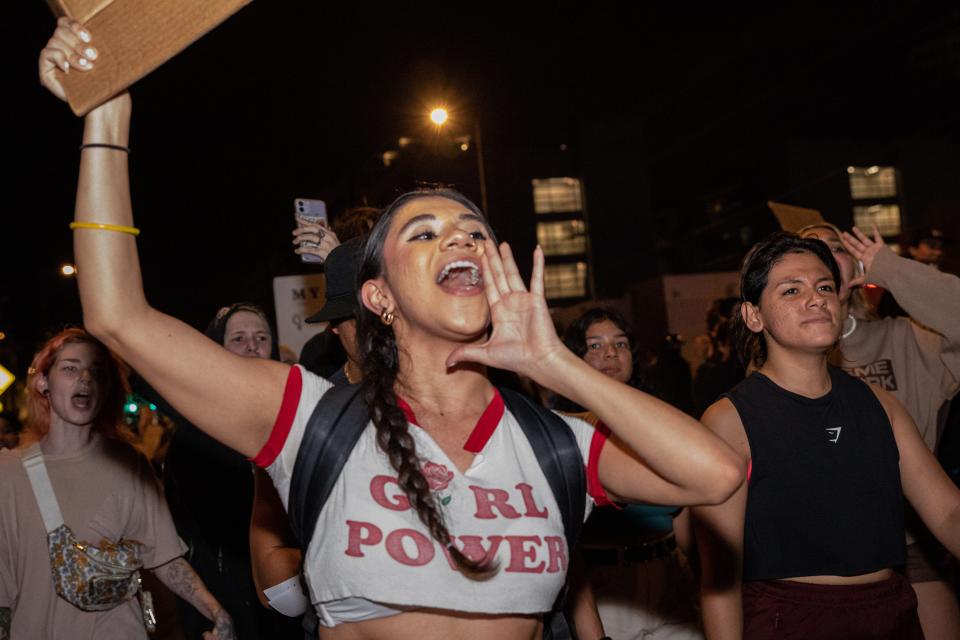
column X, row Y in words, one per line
column 824, row 496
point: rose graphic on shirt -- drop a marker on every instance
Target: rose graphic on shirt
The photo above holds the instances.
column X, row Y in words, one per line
column 438, row 477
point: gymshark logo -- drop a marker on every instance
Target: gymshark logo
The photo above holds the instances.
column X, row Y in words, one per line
column 834, row 433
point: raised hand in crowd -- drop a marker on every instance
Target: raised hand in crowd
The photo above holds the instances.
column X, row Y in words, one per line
column 863, row 249
column 68, row 48
column 314, row 239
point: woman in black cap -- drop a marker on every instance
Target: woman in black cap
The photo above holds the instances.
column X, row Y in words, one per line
column 274, row 551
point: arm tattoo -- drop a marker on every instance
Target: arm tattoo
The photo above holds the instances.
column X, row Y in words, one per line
column 5, row 623
column 179, row 578
column 223, row 625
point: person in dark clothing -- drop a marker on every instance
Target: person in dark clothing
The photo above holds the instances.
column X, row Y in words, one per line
column 333, row 354
column 721, row 370
column 808, row 546
column 210, row 490
column 274, row 549
column 634, row 566
column 669, row 374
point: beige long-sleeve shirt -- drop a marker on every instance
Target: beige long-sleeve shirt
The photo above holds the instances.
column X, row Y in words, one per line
column 917, row 358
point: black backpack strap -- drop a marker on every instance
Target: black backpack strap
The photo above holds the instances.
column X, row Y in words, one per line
column 559, row 456
column 332, row 432
column 560, row 459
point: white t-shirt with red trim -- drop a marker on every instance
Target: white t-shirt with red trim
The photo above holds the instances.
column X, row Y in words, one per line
column 370, row 544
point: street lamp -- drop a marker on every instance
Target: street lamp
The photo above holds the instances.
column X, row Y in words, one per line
column 439, row 116
column 68, row 269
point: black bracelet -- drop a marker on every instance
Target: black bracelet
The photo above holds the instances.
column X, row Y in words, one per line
column 104, row 145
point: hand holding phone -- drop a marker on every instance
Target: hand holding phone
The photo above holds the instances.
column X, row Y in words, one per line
column 311, row 218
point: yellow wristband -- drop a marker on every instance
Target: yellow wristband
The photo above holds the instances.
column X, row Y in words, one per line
column 105, row 227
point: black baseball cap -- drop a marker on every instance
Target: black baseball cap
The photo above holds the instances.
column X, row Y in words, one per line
column 340, row 269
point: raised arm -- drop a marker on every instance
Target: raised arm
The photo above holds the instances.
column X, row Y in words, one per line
column 233, row 399
column 930, row 296
column 930, row 491
column 719, row 534
column 658, row 454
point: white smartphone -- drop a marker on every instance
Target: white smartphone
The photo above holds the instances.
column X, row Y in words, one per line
column 307, row 211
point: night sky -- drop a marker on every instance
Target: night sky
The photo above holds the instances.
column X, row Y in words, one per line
column 290, row 99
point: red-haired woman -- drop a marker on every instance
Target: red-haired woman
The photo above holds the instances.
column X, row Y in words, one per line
column 105, row 491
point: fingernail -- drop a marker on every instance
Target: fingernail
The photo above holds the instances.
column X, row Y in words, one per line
column 84, row 36
column 66, row 67
column 90, row 52
column 83, row 62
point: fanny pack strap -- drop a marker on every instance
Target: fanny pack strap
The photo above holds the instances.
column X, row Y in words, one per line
column 42, row 489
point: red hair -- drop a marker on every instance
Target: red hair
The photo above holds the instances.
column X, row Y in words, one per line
column 114, row 387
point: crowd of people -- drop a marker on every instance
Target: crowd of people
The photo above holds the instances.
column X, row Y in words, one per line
column 442, row 464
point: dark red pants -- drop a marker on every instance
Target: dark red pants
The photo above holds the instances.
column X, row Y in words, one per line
column 781, row 610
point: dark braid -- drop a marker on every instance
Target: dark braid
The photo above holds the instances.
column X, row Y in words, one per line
column 380, row 364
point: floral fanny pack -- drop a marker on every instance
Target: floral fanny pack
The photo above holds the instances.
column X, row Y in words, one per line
column 90, row 577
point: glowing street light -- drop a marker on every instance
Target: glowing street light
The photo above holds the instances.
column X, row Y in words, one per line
column 439, row 116
column 68, row 270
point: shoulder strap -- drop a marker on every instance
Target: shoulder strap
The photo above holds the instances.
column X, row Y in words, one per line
column 42, row 489
column 330, row 435
column 559, row 456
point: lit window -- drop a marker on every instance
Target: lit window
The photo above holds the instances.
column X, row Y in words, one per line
column 872, row 182
column 562, row 238
column 885, row 216
column 565, row 280
column 557, row 195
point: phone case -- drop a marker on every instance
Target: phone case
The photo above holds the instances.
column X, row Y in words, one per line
column 306, row 210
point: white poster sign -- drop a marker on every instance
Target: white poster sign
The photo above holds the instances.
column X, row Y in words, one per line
column 295, row 299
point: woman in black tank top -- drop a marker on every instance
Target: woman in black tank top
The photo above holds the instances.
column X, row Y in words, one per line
column 808, row 547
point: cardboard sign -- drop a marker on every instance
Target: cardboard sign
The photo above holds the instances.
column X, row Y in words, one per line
column 793, row 218
column 296, row 298
column 134, row 37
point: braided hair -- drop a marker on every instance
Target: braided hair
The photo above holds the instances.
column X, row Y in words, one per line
column 380, row 364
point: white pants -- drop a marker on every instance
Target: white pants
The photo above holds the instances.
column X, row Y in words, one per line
column 654, row 600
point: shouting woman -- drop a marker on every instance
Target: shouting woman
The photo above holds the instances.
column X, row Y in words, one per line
column 441, row 524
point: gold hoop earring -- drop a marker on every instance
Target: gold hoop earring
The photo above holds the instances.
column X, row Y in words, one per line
column 386, row 317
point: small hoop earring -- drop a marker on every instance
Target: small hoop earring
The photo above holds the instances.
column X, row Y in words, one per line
column 386, row 317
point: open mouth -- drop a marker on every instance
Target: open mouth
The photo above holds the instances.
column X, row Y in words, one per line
column 461, row 276
column 82, row 400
